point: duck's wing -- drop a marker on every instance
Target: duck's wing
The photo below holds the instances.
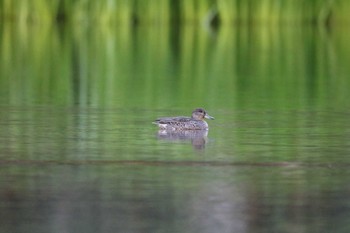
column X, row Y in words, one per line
column 172, row 120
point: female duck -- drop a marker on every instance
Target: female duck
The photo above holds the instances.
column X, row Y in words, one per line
column 196, row 122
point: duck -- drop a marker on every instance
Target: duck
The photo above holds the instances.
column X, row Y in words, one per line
column 195, row 122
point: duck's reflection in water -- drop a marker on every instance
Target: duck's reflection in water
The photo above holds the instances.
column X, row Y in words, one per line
column 198, row 138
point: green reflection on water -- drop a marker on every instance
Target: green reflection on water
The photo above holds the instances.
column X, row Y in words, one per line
column 76, row 135
column 274, row 91
column 239, row 68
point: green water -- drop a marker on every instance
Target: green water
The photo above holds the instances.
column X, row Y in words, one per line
column 78, row 152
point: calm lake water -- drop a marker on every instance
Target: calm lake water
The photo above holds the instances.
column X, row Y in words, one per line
column 78, row 152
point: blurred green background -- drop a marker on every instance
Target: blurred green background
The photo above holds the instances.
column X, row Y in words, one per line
column 89, row 52
column 81, row 81
column 252, row 12
column 236, row 66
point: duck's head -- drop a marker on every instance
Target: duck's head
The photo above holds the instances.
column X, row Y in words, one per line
column 200, row 114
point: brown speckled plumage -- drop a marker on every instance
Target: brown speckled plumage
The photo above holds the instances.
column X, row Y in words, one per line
column 196, row 122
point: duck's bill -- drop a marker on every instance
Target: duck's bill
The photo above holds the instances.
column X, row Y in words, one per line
column 209, row 117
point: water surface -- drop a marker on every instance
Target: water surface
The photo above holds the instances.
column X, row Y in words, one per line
column 78, row 152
